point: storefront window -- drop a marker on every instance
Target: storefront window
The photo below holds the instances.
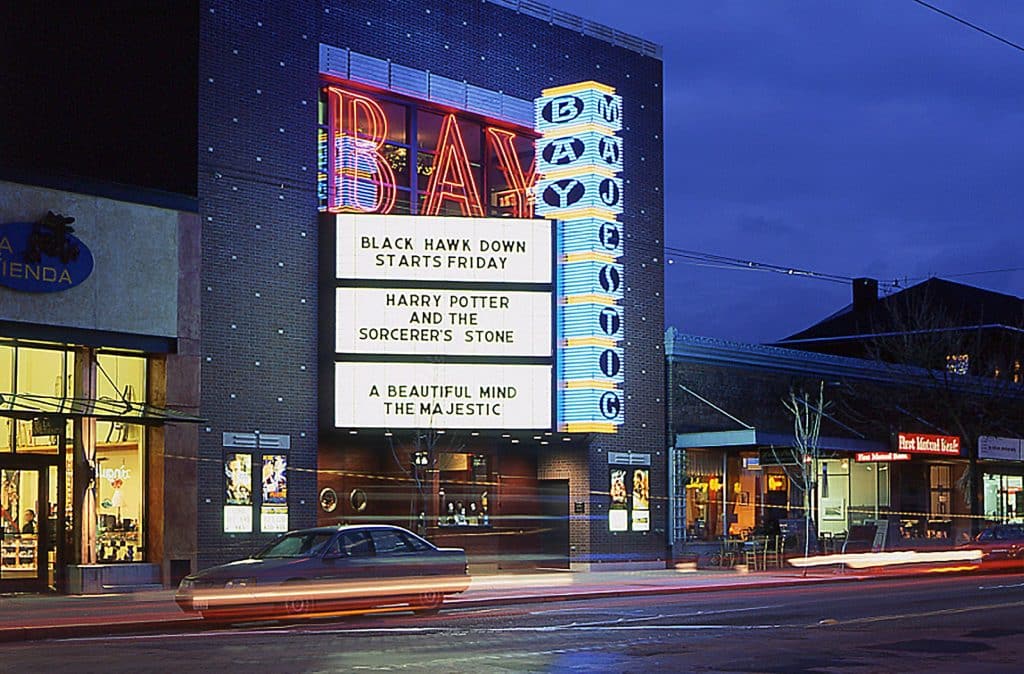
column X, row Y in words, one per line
column 6, row 386
column 743, row 474
column 703, row 494
column 1004, row 498
column 834, row 495
column 939, row 518
column 864, row 494
column 42, row 372
column 464, row 490
column 120, row 483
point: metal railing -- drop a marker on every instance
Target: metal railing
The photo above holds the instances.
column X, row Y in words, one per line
column 577, row 23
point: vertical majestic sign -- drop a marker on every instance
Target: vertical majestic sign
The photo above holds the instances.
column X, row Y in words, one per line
column 578, row 160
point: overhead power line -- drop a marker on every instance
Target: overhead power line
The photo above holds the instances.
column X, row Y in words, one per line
column 967, row 23
column 1005, row 270
column 701, row 259
column 698, row 258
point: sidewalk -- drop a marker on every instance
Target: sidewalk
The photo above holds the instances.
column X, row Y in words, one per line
column 30, row 616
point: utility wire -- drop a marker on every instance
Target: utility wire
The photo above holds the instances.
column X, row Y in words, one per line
column 969, row 24
column 973, row 273
column 701, row 259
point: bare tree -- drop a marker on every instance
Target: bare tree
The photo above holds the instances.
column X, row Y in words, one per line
column 802, row 468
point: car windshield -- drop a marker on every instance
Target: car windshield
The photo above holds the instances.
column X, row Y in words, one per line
column 295, row 545
column 1009, row 533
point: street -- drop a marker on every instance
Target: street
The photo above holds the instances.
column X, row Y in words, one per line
column 963, row 623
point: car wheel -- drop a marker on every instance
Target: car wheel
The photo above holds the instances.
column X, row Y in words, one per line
column 297, row 606
column 428, row 603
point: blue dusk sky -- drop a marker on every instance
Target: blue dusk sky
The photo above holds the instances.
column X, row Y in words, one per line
column 870, row 138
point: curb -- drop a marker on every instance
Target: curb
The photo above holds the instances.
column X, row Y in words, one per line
column 40, row 632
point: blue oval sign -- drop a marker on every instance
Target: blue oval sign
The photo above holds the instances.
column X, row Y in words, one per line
column 42, row 257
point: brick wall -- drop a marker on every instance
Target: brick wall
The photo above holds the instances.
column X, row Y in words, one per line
column 753, row 396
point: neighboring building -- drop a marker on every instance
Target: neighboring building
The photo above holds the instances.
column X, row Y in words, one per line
column 950, row 325
column 733, row 468
column 99, row 386
column 972, row 342
column 734, row 471
column 936, row 451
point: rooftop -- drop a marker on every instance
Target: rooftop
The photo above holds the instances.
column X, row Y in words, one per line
column 958, row 304
column 600, row 31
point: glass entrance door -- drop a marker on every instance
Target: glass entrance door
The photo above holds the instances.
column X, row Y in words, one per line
column 26, row 496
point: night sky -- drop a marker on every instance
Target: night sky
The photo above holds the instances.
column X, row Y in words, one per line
column 871, row 138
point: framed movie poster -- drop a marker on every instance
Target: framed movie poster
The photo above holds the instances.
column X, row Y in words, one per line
column 238, row 493
column 640, row 519
column 618, row 509
column 274, row 508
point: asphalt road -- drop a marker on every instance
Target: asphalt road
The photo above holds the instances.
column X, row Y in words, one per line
column 938, row 624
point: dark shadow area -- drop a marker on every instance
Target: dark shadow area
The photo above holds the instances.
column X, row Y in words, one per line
column 103, row 91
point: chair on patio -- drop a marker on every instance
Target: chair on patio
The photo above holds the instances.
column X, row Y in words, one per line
column 773, row 553
column 753, row 552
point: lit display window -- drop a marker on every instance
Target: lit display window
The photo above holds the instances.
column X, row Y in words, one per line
column 958, row 363
column 464, row 490
column 120, row 456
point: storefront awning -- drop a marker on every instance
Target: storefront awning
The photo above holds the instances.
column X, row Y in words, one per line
column 751, row 437
column 28, row 406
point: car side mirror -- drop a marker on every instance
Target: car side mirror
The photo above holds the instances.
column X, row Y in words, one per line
column 333, row 555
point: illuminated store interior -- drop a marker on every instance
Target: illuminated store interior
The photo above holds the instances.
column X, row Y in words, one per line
column 42, row 386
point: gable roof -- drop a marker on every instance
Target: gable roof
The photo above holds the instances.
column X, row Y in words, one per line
column 963, row 305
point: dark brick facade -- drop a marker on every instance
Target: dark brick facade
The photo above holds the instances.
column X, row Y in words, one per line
column 258, row 81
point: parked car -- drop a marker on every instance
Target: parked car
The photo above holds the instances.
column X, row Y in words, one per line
column 359, row 567
column 1002, row 546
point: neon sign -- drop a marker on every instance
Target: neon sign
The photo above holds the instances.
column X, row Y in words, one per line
column 452, row 177
column 520, row 183
column 358, row 175
column 578, row 159
column 356, row 168
column 922, row 443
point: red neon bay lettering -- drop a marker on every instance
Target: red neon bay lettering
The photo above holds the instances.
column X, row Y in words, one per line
column 451, row 177
column 357, row 128
column 501, row 142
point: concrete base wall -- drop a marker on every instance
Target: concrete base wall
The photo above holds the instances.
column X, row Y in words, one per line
column 107, row 578
column 584, row 567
